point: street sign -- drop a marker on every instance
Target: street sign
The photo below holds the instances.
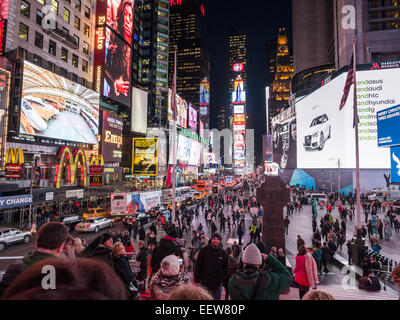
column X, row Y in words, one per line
column 49, row 196
column 74, row 193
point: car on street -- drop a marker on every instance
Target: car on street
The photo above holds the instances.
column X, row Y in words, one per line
column 140, row 217
column 155, row 211
column 96, row 212
column 189, row 201
column 318, row 133
column 198, row 195
column 69, row 220
column 10, row 236
column 94, row 224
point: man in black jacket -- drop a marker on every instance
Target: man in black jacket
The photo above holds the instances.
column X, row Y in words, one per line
column 168, row 245
column 212, row 266
column 50, row 243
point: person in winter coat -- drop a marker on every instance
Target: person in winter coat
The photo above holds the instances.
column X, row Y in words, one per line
column 372, row 283
column 212, row 266
column 142, row 258
column 300, row 242
column 168, row 245
column 121, row 264
column 240, row 232
column 311, row 269
column 142, row 233
column 100, row 248
column 300, row 272
column 253, row 284
column 325, row 257
column 167, row 278
column 130, row 249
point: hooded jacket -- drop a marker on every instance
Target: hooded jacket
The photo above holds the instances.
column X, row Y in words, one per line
column 211, row 267
column 167, row 246
column 101, row 252
column 15, row 269
column 272, row 283
column 161, row 285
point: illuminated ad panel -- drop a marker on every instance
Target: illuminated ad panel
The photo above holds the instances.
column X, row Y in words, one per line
column 238, row 94
column 204, row 111
column 112, row 55
column 183, row 151
column 57, row 108
column 182, row 110
column 239, row 119
column 4, row 89
column 144, row 159
column 192, row 117
column 238, row 108
column 325, row 134
column 204, row 92
column 111, row 147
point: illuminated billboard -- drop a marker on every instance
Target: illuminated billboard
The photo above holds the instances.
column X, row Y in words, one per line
column 239, row 119
column 238, row 108
column 325, row 134
column 112, row 55
column 139, row 111
column 111, row 146
column 57, row 108
column 192, row 117
column 239, row 140
column 182, row 110
column 195, row 153
column 144, row 156
column 183, row 151
column 4, row 88
column 203, row 111
column 238, row 94
column 204, row 92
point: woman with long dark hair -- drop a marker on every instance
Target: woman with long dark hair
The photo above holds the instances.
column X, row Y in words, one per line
column 300, row 273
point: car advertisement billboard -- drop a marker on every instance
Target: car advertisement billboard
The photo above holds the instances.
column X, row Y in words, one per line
column 144, row 159
column 139, row 111
column 111, row 146
column 238, row 94
column 204, row 92
column 192, row 117
column 388, row 122
column 57, row 108
column 326, row 134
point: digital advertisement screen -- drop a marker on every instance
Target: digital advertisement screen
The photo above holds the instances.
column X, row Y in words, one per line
column 238, row 94
column 395, row 164
column 182, row 110
column 203, row 111
column 111, row 147
column 326, row 134
column 195, row 153
column 57, row 108
column 238, row 108
column 239, row 119
column 144, row 159
column 388, row 122
column 117, row 69
column 201, row 129
column 239, row 140
column 237, row 127
column 183, row 151
column 139, row 111
column 4, row 88
column 120, row 18
column 204, row 92
column 192, row 117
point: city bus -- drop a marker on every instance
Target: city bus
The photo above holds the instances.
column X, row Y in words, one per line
column 130, row 202
column 180, row 194
column 201, row 185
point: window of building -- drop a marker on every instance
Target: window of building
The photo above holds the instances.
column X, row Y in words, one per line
column 42, row 2
column 85, row 66
column 54, row 6
column 38, row 40
column 23, row 31
column 64, row 54
column 37, row 59
column 76, row 38
column 78, row 5
column 39, row 17
column 64, row 72
column 87, row 12
column 85, row 47
column 25, row 8
column 52, row 47
column 77, row 23
column 66, row 15
column 75, row 60
column 86, row 30
column 65, row 31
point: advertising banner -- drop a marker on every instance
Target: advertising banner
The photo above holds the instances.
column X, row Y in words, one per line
column 57, row 108
column 203, row 111
column 204, row 92
column 195, row 153
column 326, row 134
column 238, row 108
column 4, row 88
column 96, row 181
column 239, row 119
column 182, row 110
column 144, row 159
column 395, row 164
column 192, row 117
column 111, row 146
column 15, row 201
column 142, row 202
column 239, row 140
column 183, row 151
column 238, row 94
column 388, row 127
column 139, row 111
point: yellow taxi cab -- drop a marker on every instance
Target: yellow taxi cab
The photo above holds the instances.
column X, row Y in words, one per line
column 198, row 195
column 169, row 205
column 96, row 212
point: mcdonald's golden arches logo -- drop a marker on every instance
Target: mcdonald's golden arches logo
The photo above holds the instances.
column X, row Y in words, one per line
column 72, row 160
column 14, row 163
column 96, row 165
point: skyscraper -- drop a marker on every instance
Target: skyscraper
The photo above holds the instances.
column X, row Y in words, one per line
column 280, row 86
column 192, row 59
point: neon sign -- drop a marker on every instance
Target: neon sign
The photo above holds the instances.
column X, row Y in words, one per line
column 72, row 160
column 238, row 67
column 175, row 2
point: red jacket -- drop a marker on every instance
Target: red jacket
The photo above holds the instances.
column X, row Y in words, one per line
column 300, row 276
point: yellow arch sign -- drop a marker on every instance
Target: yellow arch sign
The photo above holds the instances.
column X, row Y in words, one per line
column 72, row 160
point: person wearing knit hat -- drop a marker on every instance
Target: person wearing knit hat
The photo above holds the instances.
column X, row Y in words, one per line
column 100, row 248
column 253, row 284
column 216, row 235
column 174, row 233
column 167, row 278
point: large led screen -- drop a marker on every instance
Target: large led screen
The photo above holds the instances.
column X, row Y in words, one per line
column 139, row 111
column 325, row 134
column 120, row 18
column 204, row 92
column 144, row 156
column 182, row 110
column 192, row 117
column 183, row 152
column 57, row 108
column 112, row 137
column 195, row 153
column 238, row 94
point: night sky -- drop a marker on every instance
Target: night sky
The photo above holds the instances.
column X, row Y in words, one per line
column 260, row 19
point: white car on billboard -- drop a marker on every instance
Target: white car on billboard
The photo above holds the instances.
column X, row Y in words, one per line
column 317, row 134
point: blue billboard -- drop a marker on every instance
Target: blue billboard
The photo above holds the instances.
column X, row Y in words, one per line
column 388, row 122
column 395, row 164
column 15, row 201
